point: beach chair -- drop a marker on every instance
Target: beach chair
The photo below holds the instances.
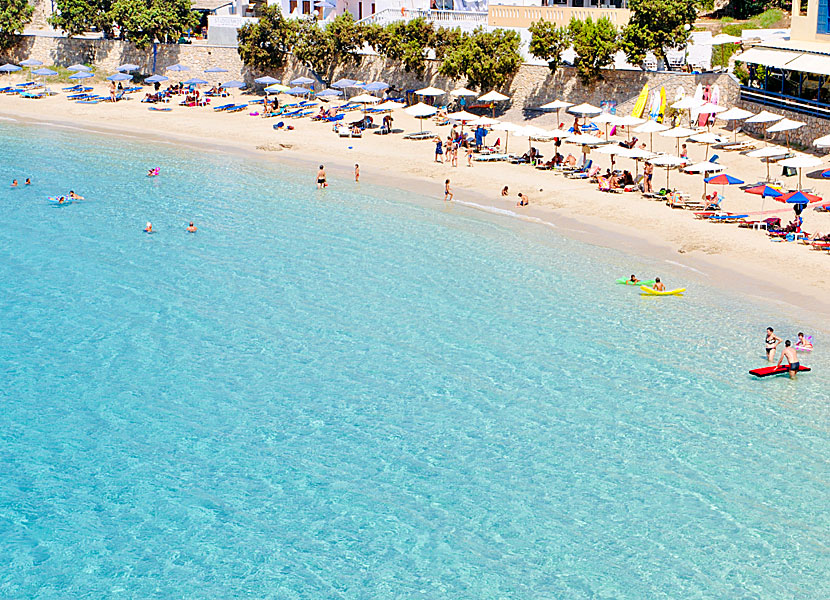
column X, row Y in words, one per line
column 223, row 107
column 237, row 108
column 492, row 157
column 419, row 135
column 342, row 131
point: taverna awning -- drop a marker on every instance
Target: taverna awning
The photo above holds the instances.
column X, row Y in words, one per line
column 768, row 57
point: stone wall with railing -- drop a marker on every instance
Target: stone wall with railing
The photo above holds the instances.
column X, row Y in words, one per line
column 530, row 87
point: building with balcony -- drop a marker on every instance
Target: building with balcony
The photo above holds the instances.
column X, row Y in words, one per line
column 793, row 74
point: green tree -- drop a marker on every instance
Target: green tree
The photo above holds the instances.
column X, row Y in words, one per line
column 656, row 25
column 14, row 15
column 265, row 43
column 485, row 58
column 595, row 43
column 446, row 40
column 145, row 21
column 407, row 42
column 346, row 38
column 314, row 47
column 79, row 16
column 548, row 42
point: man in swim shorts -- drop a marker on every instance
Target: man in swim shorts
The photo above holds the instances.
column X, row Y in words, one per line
column 191, row 228
column 522, row 200
column 28, row 181
column 658, row 285
column 321, row 178
column 792, row 359
column 14, row 183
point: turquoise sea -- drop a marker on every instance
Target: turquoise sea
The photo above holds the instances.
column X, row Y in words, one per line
column 365, row 394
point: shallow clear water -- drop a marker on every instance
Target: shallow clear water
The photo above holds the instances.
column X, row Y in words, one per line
column 348, row 395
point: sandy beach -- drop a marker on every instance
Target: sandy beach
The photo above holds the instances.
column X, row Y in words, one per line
column 787, row 274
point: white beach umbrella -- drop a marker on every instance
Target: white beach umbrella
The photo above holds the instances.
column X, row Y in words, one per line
column 430, row 91
column 822, row 142
column 704, row 167
column 724, row 38
column 764, row 117
column 677, row 132
column 493, row 96
column 463, row 92
column 711, row 109
column 786, row 125
column 365, row 99
column 668, row 161
column 802, row 161
column 768, row 152
column 706, row 138
column 532, row 131
column 507, row 128
column 612, row 149
column 556, row 105
column 651, row 127
column 688, row 103
column 638, row 153
column 735, row 114
column 584, row 139
column 420, row 111
column 483, row 122
column 388, row 105
column 558, row 133
column 584, row 109
column 605, row 118
column 462, row 115
column 629, row 121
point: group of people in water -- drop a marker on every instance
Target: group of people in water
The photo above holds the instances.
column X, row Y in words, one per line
column 658, row 286
column 789, row 352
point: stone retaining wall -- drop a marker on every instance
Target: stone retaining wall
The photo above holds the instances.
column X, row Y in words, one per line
column 801, row 138
column 532, row 86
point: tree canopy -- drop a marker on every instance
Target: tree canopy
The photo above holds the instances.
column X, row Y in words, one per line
column 485, row 58
column 595, row 44
column 657, row 25
column 548, row 42
column 14, row 15
column 78, row 16
column 145, row 21
column 266, row 43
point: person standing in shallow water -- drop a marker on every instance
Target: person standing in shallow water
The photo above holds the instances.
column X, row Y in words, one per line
column 356, row 173
column 321, row 178
column 447, row 191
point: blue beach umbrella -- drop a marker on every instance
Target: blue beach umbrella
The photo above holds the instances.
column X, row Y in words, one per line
column 30, row 62
column 215, row 70
column 723, row 179
column 156, row 79
column 375, row 86
column 233, row 84
column 342, row 84
column 825, row 174
column 764, row 191
column 120, row 77
column 301, row 81
column 81, row 75
column 9, row 68
column 44, row 72
column 195, row 81
column 78, row 67
column 267, row 80
column 298, row 91
column 329, row 92
column 178, row 67
column 127, row 68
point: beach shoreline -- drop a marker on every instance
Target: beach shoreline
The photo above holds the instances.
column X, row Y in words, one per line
column 741, row 261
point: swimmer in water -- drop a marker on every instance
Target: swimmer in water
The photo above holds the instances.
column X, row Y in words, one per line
column 321, row 178
column 62, row 200
column 792, row 359
column 804, row 343
column 149, row 227
column 191, row 228
column 28, row 181
column 14, row 183
column 658, row 285
column 75, row 196
column 633, row 279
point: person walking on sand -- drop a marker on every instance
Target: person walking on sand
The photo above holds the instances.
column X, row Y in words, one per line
column 469, row 155
column 321, row 178
column 792, row 359
column 447, row 191
column 771, row 344
column 454, row 154
column 356, row 173
column 439, row 150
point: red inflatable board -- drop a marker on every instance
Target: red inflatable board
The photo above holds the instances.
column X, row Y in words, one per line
column 767, row 371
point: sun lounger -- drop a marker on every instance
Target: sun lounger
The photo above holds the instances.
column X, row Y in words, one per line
column 237, row 108
column 87, row 101
column 343, row 131
column 727, row 218
column 419, row 135
column 223, row 107
column 491, row 157
column 31, row 95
